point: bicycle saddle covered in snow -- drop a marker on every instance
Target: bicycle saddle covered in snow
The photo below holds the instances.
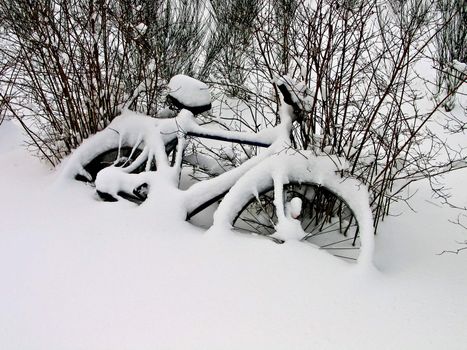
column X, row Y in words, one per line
column 189, row 93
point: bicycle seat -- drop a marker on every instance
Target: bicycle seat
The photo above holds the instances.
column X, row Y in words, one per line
column 189, row 93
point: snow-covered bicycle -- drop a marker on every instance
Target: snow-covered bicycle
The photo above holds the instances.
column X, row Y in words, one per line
column 280, row 193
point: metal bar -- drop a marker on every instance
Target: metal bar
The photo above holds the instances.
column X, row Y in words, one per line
column 205, row 205
column 224, row 138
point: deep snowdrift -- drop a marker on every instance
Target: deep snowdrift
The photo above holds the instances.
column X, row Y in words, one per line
column 77, row 273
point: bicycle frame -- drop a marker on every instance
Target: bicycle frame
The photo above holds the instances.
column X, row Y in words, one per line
column 133, row 130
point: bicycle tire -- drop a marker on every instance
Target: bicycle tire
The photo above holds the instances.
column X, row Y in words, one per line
column 335, row 222
column 325, row 218
column 123, row 157
column 127, row 155
column 103, row 150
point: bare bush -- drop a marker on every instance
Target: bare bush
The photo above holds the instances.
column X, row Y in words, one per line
column 356, row 64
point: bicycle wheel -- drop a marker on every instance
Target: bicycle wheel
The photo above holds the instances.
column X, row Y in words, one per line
column 130, row 161
column 114, row 156
column 89, row 161
column 120, row 157
column 334, row 214
column 327, row 221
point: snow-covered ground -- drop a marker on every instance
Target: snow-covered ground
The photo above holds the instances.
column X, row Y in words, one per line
column 77, row 273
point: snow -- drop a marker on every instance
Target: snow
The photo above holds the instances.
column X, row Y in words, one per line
column 77, row 273
column 294, row 207
column 189, row 91
column 113, row 179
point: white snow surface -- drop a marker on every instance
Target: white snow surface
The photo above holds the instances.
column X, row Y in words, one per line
column 77, row 273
